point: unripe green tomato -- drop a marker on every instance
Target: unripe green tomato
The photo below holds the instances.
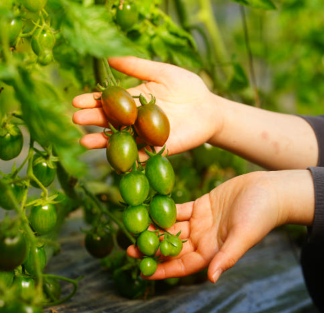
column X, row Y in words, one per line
column 45, row 58
column 29, row 262
column 44, row 170
column 181, row 195
column 163, row 211
column 20, row 307
column 24, row 287
column 148, row 266
column 136, row 219
column 176, row 245
column 165, row 248
column 11, row 142
column 6, row 279
column 43, row 218
column 34, row 5
column 15, row 27
column 127, row 16
column 17, row 191
column 42, row 41
column 148, row 243
column 52, row 289
column 134, row 188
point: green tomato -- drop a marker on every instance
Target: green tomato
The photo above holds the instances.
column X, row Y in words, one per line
column 42, row 40
column 136, row 219
column 127, row 16
column 148, row 266
column 44, row 170
column 181, row 195
column 34, row 5
column 165, row 248
column 6, row 279
column 121, row 151
column 99, row 246
column 17, row 191
column 160, row 174
column 148, row 243
column 11, row 142
column 16, row 307
column 128, row 286
column 52, row 289
column 134, row 188
column 13, row 250
column 45, row 57
column 172, row 281
column 24, row 287
column 176, row 245
column 43, row 218
column 15, row 26
column 30, row 260
column 163, row 211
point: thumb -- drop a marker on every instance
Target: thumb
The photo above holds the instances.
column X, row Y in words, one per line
column 232, row 250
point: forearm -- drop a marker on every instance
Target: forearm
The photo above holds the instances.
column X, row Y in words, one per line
column 272, row 140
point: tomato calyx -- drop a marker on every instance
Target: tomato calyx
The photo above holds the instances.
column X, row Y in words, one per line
column 143, row 100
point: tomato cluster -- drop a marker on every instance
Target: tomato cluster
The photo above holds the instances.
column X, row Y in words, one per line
column 146, row 186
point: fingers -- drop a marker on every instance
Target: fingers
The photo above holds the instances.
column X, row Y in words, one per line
column 233, row 249
column 184, row 211
column 94, row 116
column 87, row 101
column 94, row 141
column 139, row 68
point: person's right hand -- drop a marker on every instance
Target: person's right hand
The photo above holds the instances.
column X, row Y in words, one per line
column 193, row 113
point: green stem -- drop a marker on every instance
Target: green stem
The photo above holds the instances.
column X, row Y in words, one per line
column 31, row 32
column 102, row 209
column 74, row 282
column 109, row 72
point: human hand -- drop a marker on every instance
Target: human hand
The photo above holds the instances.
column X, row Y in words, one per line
column 190, row 107
column 221, row 226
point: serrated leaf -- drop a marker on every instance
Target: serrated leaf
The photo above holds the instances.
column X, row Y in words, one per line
column 239, row 79
column 258, row 4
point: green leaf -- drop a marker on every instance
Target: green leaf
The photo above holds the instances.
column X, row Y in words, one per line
column 89, row 30
column 239, row 79
column 184, row 56
column 160, row 48
column 258, row 4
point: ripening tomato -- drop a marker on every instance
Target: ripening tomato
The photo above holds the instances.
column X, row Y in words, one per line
column 136, row 219
column 99, row 245
column 152, row 125
column 160, row 174
column 134, row 188
column 163, row 211
column 119, row 106
column 121, row 151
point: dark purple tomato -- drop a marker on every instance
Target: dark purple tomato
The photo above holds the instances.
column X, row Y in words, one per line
column 11, row 142
column 43, row 218
column 160, row 174
column 163, row 211
column 134, row 188
column 13, row 250
column 44, row 170
column 148, row 266
column 99, row 246
column 152, row 125
column 29, row 263
column 136, row 219
column 119, row 106
column 127, row 15
column 148, row 242
column 121, row 151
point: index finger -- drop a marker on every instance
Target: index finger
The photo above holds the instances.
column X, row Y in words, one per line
column 87, row 101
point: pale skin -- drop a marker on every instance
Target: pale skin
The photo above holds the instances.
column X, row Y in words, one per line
column 221, row 226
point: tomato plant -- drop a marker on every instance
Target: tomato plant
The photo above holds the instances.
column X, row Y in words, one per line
column 43, row 218
column 99, row 245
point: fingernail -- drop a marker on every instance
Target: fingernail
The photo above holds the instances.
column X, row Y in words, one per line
column 216, row 275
